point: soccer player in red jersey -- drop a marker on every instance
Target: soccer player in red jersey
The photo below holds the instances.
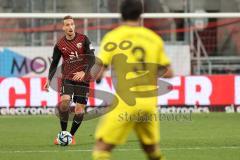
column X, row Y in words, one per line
column 78, row 58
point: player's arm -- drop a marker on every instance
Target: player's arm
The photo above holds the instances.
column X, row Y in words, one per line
column 53, row 67
column 89, row 50
column 55, row 60
column 101, row 72
column 105, row 57
column 168, row 72
column 89, row 53
column 164, row 69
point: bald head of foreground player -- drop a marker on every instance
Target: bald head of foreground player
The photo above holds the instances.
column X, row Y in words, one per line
column 112, row 130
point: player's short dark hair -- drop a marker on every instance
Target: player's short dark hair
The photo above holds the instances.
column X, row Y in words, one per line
column 131, row 9
column 67, row 17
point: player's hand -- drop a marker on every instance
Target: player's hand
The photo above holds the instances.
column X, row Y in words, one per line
column 46, row 86
column 79, row 76
column 98, row 81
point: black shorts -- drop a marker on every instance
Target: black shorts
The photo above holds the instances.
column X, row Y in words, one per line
column 78, row 91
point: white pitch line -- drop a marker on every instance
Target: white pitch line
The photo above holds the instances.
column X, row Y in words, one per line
column 202, row 148
column 123, row 150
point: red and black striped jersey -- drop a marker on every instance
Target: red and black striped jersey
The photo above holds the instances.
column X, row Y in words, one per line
column 77, row 56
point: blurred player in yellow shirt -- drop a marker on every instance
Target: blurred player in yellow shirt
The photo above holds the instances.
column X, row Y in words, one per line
column 135, row 54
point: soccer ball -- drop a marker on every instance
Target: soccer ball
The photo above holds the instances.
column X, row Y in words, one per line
column 64, row 138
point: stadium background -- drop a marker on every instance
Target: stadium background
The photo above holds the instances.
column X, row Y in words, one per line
column 206, row 60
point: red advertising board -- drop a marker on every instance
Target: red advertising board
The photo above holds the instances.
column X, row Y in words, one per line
column 187, row 90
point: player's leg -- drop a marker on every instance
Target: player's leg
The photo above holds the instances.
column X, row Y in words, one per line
column 102, row 150
column 81, row 91
column 78, row 117
column 64, row 111
column 63, row 107
column 148, row 133
column 152, row 151
column 112, row 130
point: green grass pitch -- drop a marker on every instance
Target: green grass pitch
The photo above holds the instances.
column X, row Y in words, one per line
column 214, row 136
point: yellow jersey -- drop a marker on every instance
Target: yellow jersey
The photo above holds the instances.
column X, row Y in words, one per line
column 134, row 54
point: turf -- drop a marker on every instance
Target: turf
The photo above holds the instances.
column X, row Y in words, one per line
column 211, row 136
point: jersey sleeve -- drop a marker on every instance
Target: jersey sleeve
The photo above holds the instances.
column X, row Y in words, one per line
column 163, row 59
column 104, row 54
column 89, row 50
column 55, row 60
